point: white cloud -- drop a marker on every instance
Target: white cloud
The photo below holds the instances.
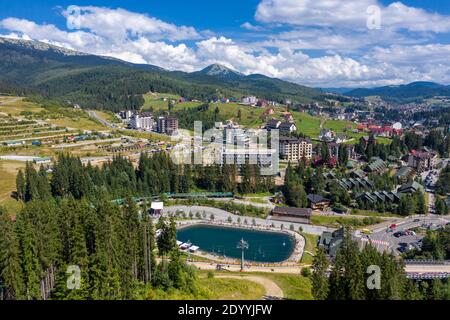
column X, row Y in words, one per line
column 349, row 14
column 248, row 26
column 120, row 24
column 353, row 57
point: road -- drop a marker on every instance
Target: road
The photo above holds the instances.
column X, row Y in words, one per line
column 222, row 215
column 237, row 268
column 440, row 268
column 381, row 232
column 409, row 268
column 10, row 100
column 94, row 115
column 85, row 143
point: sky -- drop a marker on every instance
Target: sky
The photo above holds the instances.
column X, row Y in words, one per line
column 320, row 43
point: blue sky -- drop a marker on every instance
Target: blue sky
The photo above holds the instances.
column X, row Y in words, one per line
column 349, row 43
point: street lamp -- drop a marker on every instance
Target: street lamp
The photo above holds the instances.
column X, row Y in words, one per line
column 243, row 245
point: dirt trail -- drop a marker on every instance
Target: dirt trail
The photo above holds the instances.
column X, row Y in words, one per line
column 272, row 289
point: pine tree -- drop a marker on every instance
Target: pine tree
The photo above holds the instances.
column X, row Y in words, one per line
column 31, row 178
column 20, row 186
column 319, row 277
column 10, row 269
column 29, row 259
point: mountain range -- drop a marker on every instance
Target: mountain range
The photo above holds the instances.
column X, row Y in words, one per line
column 411, row 91
column 108, row 83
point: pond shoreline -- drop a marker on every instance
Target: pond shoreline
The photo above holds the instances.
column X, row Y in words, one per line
column 294, row 258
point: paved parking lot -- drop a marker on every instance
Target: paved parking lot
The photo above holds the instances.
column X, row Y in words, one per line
column 385, row 239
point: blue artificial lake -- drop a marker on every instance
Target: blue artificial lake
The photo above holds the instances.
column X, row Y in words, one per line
column 264, row 246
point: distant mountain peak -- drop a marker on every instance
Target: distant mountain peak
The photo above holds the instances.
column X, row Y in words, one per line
column 220, row 70
column 41, row 46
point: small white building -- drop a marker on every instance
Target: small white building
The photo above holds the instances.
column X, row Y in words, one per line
column 252, row 100
column 42, row 160
column 397, row 126
column 193, row 249
column 156, row 208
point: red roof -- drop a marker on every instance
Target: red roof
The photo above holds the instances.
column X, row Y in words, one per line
column 332, row 162
column 361, row 126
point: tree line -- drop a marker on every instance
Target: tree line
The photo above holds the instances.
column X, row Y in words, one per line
column 155, row 174
column 114, row 248
column 352, row 275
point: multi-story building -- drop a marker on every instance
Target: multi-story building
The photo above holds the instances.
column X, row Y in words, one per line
column 167, row 125
column 334, row 149
column 126, row 115
column 422, row 160
column 295, row 149
column 250, row 100
column 142, row 121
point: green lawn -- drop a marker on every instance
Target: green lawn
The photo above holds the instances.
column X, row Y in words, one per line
column 383, row 140
column 250, row 116
column 369, row 213
column 8, row 172
column 336, row 222
column 295, row 287
column 212, row 289
column 339, row 126
column 310, row 246
column 14, row 108
column 257, row 195
column 307, row 124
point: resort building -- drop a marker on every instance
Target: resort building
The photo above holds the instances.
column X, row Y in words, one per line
column 295, row 149
column 289, row 214
column 167, row 125
column 260, row 156
column 331, row 241
column 411, row 187
column 376, row 165
column 379, row 196
column 250, row 100
column 317, row 202
column 142, row 121
column 405, row 173
column 422, row 161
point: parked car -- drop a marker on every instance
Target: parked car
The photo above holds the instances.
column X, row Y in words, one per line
column 402, row 249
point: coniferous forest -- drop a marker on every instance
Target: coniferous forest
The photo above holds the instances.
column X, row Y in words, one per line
column 70, row 220
column 349, row 278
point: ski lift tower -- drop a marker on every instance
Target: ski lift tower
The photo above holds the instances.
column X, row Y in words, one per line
column 243, row 245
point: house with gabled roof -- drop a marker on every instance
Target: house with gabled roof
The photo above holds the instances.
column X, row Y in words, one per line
column 376, row 165
column 273, row 124
column 411, row 187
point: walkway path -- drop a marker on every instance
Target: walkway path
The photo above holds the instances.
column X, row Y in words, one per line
column 222, row 215
column 272, row 289
column 237, row 268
